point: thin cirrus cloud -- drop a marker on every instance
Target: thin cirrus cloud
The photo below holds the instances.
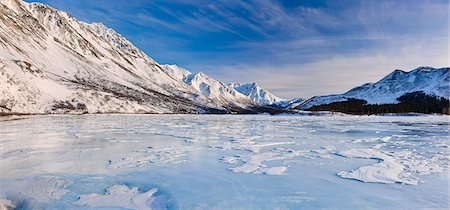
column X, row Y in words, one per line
column 294, row 48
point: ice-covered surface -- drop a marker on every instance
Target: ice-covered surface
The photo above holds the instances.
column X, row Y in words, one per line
column 225, row 162
column 387, row 171
column 120, row 196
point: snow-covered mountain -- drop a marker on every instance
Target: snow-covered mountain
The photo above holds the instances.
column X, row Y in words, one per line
column 262, row 96
column 52, row 63
column 208, row 86
column 256, row 93
column 289, row 104
column 386, row 91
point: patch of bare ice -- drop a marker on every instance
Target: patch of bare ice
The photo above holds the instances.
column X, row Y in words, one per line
column 295, row 197
column 45, row 189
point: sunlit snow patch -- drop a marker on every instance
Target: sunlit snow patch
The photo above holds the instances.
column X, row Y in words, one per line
column 388, row 170
column 124, row 197
column 253, row 163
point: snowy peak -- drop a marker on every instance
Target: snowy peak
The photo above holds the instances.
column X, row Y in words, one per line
column 207, row 86
column 429, row 80
column 214, row 89
column 256, row 93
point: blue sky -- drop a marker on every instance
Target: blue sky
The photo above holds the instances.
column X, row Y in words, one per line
column 294, row 48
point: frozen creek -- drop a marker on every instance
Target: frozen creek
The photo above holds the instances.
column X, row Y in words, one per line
column 224, row 162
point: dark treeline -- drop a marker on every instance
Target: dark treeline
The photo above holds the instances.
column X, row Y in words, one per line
column 418, row 102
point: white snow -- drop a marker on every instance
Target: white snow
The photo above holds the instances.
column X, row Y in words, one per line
column 387, row 171
column 253, row 163
column 386, row 91
column 53, row 161
column 141, row 158
column 256, row 93
column 216, row 90
column 120, row 196
column 289, row 103
column 175, row 71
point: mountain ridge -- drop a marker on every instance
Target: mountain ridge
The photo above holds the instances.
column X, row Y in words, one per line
column 432, row 81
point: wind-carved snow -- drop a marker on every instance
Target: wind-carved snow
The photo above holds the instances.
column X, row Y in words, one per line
column 124, row 197
column 388, row 170
column 393, row 166
column 240, row 156
column 254, row 161
column 140, row 158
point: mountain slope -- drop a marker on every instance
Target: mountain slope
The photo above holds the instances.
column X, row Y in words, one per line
column 431, row 81
column 52, row 63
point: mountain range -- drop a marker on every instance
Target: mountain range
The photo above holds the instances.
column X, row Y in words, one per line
column 52, row 63
column 431, row 81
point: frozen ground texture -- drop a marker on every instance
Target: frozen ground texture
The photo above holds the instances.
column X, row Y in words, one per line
column 120, row 196
column 224, row 162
